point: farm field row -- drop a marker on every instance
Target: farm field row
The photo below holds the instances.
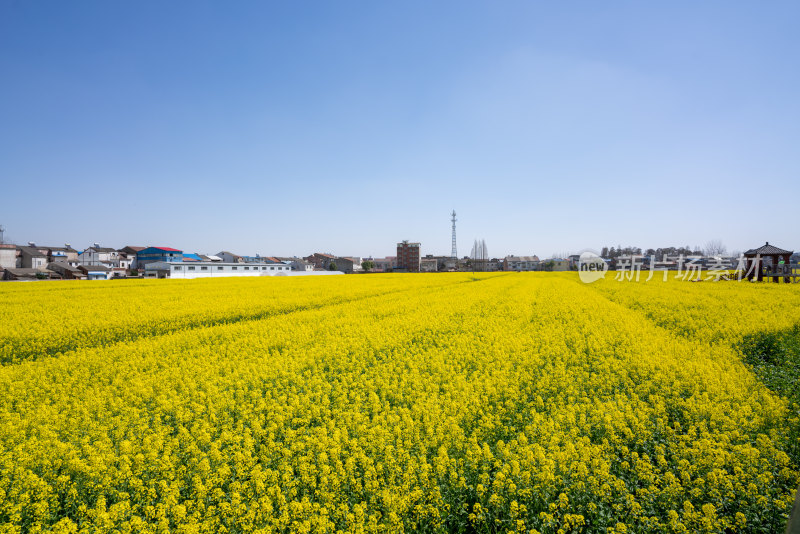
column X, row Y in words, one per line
column 48, row 319
column 390, row 403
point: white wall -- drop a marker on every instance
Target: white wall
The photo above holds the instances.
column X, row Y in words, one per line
column 189, row 271
column 8, row 258
column 301, row 266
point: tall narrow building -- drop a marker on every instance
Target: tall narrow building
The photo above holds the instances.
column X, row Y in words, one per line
column 408, row 256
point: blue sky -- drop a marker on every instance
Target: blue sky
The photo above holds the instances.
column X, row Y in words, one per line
column 293, row 127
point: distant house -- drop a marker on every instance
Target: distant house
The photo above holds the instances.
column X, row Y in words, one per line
column 428, row 265
column 96, row 272
column 130, row 250
column 449, row 264
column 574, row 261
column 123, row 263
column 297, row 264
column 258, row 259
column 25, row 273
column 65, row 254
column 443, row 263
column 129, row 254
column 558, row 264
column 384, row 264
column 8, row 256
column 230, row 257
column 97, row 255
column 301, row 265
column 347, row 264
column 205, row 269
column 32, row 245
column 321, row 260
column 31, row 258
column 521, row 263
column 188, row 257
column 66, row 271
column 157, row 254
column 494, row 264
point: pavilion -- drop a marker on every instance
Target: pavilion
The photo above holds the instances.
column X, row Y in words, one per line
column 768, row 261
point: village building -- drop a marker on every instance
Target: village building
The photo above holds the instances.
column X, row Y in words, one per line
column 26, row 274
column 8, row 256
column 97, row 272
column 65, row 254
column 158, row 254
column 320, row 260
column 384, row 265
column 207, row 269
column 31, row 258
column 521, row 263
column 229, row 257
column 408, row 256
column 347, row 264
column 66, row 271
column 129, row 254
column 97, row 255
column 428, row 265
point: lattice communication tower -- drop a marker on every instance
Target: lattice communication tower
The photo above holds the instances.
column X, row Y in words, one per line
column 454, row 252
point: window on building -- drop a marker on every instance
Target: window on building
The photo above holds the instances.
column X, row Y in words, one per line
column 272, row 268
column 191, row 268
column 219, row 268
column 247, row 268
column 178, row 267
column 203, row 268
column 234, row 268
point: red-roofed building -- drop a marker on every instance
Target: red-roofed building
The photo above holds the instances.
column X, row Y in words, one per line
column 320, row 260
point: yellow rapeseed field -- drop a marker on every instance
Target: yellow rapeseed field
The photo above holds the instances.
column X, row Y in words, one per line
column 507, row 402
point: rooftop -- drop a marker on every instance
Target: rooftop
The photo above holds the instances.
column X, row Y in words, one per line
column 163, row 265
column 767, row 250
column 165, row 249
column 24, row 271
column 522, row 258
column 94, row 268
column 31, row 251
column 62, row 266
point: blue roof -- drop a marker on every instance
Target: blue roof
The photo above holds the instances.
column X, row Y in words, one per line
column 160, row 250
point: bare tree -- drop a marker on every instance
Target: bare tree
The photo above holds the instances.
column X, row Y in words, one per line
column 714, row 248
column 479, row 255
